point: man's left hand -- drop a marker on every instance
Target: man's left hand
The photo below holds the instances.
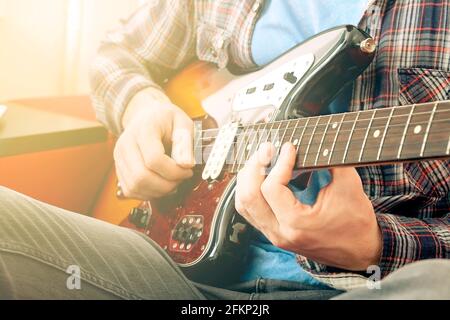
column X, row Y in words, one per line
column 339, row 230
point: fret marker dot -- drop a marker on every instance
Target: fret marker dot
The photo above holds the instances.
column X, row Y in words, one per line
column 335, row 125
column 296, row 142
column 326, row 153
column 418, row 129
column 277, row 144
column 377, row 134
column 249, row 147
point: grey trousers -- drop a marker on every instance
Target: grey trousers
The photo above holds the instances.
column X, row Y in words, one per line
column 50, row 253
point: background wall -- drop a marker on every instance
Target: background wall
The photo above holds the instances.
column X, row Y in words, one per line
column 46, row 46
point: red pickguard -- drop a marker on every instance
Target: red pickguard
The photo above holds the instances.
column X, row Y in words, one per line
column 202, row 201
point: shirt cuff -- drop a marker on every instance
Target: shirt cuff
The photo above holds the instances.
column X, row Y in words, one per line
column 127, row 87
column 406, row 240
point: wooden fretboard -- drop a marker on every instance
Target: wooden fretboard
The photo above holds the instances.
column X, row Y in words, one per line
column 388, row 135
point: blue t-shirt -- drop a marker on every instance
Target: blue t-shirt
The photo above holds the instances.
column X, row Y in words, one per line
column 284, row 24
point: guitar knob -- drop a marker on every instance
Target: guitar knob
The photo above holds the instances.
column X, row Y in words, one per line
column 139, row 217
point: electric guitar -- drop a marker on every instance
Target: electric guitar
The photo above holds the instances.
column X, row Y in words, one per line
column 283, row 102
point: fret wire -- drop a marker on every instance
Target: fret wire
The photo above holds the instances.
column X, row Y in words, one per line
column 336, row 138
column 300, row 141
column 267, row 135
column 284, row 136
column 405, row 132
column 238, row 155
column 408, row 144
column 288, row 122
column 241, row 149
column 269, row 138
column 246, row 145
column 361, row 129
column 310, row 141
column 255, row 145
column 412, row 123
column 251, row 142
column 260, row 140
column 427, row 132
column 323, row 139
column 396, row 107
column 350, row 137
column 376, row 148
column 367, row 135
column 281, row 142
column 294, row 131
column 385, row 133
column 411, row 144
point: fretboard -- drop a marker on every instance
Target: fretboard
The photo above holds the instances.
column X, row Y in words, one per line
column 388, row 135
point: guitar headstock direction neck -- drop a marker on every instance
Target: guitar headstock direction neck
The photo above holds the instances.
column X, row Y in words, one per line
column 368, row 137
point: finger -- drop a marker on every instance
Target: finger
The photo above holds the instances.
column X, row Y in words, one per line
column 125, row 182
column 141, row 180
column 240, row 208
column 248, row 191
column 155, row 159
column 280, row 198
column 346, row 176
column 182, row 141
column 123, row 176
column 263, row 157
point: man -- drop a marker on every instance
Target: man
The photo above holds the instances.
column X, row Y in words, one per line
column 311, row 247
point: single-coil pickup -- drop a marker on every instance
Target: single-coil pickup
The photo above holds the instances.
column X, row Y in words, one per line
column 220, row 151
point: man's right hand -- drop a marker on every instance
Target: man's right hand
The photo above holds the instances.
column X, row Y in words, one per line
column 154, row 127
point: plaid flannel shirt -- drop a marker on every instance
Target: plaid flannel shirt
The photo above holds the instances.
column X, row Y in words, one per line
column 412, row 201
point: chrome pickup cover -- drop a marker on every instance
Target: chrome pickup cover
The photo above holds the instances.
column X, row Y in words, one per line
column 220, row 151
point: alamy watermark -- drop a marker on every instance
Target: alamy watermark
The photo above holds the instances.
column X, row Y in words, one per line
column 74, row 280
column 374, row 281
column 247, row 142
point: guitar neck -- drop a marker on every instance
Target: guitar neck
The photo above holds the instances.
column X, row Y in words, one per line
column 388, row 135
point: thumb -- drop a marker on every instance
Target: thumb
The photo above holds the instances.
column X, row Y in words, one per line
column 346, row 177
column 182, row 141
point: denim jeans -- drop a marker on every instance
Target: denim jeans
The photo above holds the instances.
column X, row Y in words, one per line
column 49, row 253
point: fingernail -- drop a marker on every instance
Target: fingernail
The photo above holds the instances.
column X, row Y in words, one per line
column 266, row 152
column 287, row 149
column 186, row 159
column 182, row 156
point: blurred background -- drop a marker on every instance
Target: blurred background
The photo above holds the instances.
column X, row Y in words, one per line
column 46, row 46
column 51, row 146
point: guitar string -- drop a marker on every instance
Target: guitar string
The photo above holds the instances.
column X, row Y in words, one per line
column 200, row 146
column 355, row 152
column 375, row 149
column 245, row 131
column 297, row 121
column 294, row 121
